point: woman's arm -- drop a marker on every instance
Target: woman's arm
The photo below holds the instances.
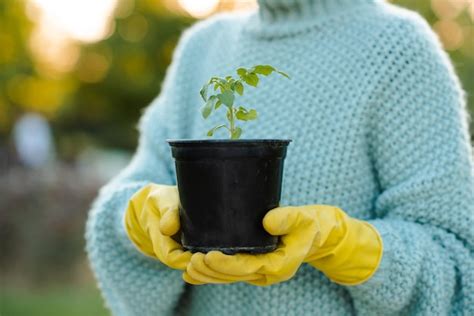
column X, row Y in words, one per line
column 421, row 152
column 132, row 283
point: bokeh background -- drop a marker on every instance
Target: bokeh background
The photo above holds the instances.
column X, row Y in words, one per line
column 74, row 78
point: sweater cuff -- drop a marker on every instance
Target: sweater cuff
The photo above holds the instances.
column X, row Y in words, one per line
column 382, row 275
column 120, row 195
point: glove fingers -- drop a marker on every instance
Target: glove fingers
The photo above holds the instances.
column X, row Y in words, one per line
column 169, row 223
column 237, row 265
column 277, row 262
column 295, row 249
column 132, row 223
column 281, row 264
column 136, row 233
column 197, row 263
column 188, row 279
column 196, row 275
column 179, row 259
column 261, row 282
column 142, row 244
column 284, row 220
column 169, row 252
column 164, row 197
column 140, row 196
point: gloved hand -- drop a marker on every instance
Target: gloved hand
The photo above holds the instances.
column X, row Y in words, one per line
column 348, row 251
column 151, row 221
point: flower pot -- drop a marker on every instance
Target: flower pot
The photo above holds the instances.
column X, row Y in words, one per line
column 226, row 187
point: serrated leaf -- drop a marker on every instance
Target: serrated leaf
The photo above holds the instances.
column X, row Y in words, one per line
column 241, row 72
column 252, row 115
column 226, row 97
column 245, row 115
column 239, row 87
column 264, row 69
column 251, row 79
column 241, row 115
column 236, row 133
column 211, row 132
column 203, row 91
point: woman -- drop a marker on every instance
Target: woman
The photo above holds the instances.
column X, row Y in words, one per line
column 379, row 176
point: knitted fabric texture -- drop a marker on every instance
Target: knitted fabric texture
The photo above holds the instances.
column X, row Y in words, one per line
column 379, row 129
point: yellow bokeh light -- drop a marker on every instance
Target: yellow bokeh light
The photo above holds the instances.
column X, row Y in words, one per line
column 83, row 20
column 471, row 9
column 134, row 29
column 199, row 9
column 450, row 33
column 54, row 54
column 448, row 9
column 93, row 67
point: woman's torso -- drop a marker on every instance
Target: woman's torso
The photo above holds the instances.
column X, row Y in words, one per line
column 325, row 110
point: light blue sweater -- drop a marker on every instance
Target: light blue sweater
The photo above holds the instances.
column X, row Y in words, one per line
column 379, row 128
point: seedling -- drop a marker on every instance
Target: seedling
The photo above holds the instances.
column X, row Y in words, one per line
column 225, row 90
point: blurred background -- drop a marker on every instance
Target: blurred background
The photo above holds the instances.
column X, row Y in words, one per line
column 74, row 78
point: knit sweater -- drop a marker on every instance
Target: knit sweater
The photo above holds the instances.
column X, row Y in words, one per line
column 379, row 128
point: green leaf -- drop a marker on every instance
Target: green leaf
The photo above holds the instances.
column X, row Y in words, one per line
column 207, row 108
column 239, row 87
column 226, row 97
column 236, row 133
column 251, row 79
column 283, row 74
column 203, row 91
column 242, row 72
column 211, row 132
column 252, row 115
column 245, row 115
column 264, row 69
column 218, row 104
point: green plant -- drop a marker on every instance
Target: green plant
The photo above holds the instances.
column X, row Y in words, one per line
column 225, row 90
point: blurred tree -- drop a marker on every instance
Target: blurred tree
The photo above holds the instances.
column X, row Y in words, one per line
column 99, row 99
column 121, row 75
column 14, row 56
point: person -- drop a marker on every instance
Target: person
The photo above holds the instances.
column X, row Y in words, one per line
column 378, row 192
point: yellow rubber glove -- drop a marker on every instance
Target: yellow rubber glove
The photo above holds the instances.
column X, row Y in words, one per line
column 348, row 251
column 151, row 221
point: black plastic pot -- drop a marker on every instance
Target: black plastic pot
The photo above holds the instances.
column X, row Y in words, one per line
column 226, row 187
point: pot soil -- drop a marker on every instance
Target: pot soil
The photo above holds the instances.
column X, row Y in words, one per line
column 226, row 187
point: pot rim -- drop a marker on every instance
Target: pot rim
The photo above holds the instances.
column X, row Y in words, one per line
column 227, row 142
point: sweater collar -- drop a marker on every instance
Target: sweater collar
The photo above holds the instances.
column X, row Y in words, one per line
column 274, row 11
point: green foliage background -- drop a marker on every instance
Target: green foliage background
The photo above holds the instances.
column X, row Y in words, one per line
column 104, row 112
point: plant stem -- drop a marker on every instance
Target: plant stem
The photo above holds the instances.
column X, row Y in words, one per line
column 231, row 121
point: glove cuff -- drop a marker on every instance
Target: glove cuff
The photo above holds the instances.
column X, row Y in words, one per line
column 356, row 257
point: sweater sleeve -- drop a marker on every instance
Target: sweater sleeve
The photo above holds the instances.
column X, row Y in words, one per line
column 131, row 283
column 423, row 160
